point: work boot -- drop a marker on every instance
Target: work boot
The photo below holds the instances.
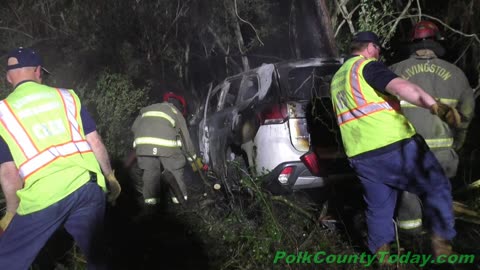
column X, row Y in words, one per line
column 381, row 253
column 441, row 246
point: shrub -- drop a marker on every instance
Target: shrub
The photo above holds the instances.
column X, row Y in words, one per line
column 114, row 103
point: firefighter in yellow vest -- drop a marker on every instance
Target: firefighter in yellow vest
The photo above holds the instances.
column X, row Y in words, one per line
column 447, row 83
column 382, row 145
column 162, row 143
column 52, row 168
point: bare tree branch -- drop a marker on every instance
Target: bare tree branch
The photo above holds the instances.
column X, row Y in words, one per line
column 292, row 31
column 181, row 11
column 347, row 16
column 394, row 26
column 247, row 22
column 221, row 46
column 419, row 10
column 15, row 30
column 326, row 24
column 464, row 51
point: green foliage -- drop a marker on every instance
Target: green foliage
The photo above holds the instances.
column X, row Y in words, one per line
column 247, row 233
column 115, row 102
column 365, row 15
column 375, row 15
column 4, row 89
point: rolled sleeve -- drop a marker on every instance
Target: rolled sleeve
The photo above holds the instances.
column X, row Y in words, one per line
column 5, row 155
column 88, row 123
column 378, row 75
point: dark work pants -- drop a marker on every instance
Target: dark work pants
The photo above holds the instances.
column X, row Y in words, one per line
column 152, row 172
column 81, row 213
column 409, row 207
column 412, row 167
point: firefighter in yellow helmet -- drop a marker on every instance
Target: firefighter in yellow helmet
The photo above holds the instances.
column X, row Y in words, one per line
column 162, row 143
column 448, row 84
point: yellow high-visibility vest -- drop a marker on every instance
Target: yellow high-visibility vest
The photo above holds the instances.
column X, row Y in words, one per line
column 368, row 119
column 43, row 130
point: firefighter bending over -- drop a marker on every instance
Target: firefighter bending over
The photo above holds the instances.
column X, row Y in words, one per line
column 52, row 167
column 162, row 142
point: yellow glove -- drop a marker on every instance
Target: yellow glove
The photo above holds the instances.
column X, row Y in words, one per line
column 5, row 221
column 197, row 164
column 447, row 113
column 114, row 188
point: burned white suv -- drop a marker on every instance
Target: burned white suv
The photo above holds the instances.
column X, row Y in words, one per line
column 271, row 119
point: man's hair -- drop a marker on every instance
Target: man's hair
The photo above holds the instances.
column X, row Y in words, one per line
column 356, row 46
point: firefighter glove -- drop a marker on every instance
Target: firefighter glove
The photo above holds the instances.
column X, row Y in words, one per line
column 197, row 164
column 5, row 221
column 447, row 113
column 113, row 188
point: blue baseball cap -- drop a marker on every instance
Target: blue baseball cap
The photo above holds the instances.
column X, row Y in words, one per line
column 26, row 57
column 367, row 36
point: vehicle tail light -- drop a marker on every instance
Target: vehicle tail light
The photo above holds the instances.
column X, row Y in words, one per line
column 310, row 160
column 285, row 174
column 275, row 114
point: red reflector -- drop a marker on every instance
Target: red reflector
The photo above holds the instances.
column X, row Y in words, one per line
column 285, row 174
column 310, row 160
column 275, row 114
column 287, row 170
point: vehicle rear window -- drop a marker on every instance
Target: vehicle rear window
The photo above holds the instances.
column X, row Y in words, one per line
column 307, row 82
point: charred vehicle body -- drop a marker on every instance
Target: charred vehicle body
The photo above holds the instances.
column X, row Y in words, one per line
column 276, row 121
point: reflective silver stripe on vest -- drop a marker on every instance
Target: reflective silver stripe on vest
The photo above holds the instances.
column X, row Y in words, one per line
column 35, row 160
column 50, row 154
column 439, row 143
column 356, row 113
column 355, row 83
column 157, row 141
column 71, row 110
column 161, row 115
column 16, row 130
column 360, row 110
column 409, row 224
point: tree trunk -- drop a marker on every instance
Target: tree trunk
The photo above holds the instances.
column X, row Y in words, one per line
column 241, row 45
column 292, row 26
column 323, row 15
column 314, row 28
column 238, row 34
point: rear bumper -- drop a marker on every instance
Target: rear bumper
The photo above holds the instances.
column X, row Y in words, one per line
column 301, row 178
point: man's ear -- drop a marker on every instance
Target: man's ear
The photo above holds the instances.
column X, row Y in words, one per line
column 9, row 78
column 38, row 74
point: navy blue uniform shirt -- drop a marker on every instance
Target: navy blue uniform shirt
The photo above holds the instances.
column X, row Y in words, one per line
column 377, row 75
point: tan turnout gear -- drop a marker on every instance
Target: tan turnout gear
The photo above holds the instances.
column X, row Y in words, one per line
column 445, row 126
column 161, row 141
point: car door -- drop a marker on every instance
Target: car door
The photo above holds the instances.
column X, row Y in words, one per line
column 215, row 131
